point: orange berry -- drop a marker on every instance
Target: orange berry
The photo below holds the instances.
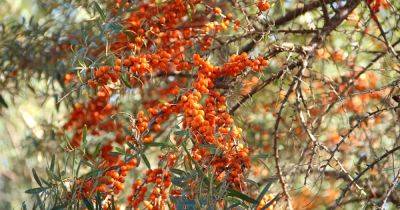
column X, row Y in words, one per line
column 263, row 6
column 148, row 139
column 217, row 10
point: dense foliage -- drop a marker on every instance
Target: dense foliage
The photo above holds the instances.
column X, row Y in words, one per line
column 208, row 104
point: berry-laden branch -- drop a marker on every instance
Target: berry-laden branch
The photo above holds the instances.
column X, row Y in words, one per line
column 172, row 63
column 163, row 45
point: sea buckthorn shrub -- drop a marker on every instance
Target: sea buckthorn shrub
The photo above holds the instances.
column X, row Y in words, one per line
column 191, row 104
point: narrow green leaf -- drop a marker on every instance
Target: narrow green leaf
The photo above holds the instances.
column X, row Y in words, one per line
column 84, row 135
column 243, row 197
column 88, row 204
column 52, row 163
column 116, row 27
column 198, row 167
column 120, row 150
column 263, row 192
column 178, row 171
column 36, row 177
column 115, row 153
column 260, row 156
column 234, row 205
column 181, row 133
column 39, row 202
column 131, row 145
column 24, row 206
column 125, row 81
column 87, row 163
column 92, row 173
column 78, row 72
column 157, row 144
column 47, row 183
column 98, row 201
column 112, row 202
column 280, row 7
column 3, row 102
column 36, row 190
column 53, row 176
column 146, row 161
column 60, row 207
column 179, row 182
column 101, row 12
column 78, row 168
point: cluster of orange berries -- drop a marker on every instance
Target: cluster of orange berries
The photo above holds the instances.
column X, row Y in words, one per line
column 211, row 123
column 147, row 26
column 203, row 120
column 94, row 116
column 113, row 180
column 163, row 37
column 110, row 182
column 103, row 74
column 235, row 65
column 138, row 193
column 157, row 115
column 172, row 89
column 158, row 196
column 85, row 188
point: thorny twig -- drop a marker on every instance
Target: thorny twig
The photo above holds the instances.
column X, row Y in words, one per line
column 369, row 166
column 292, row 87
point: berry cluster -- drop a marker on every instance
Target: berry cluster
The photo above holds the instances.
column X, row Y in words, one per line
column 162, row 44
column 95, row 116
column 158, row 196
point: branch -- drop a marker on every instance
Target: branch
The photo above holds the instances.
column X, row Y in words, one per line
column 291, row 15
column 292, row 87
column 343, row 138
column 350, row 84
column 334, row 22
column 370, row 166
column 390, row 190
column 261, row 86
column 383, row 34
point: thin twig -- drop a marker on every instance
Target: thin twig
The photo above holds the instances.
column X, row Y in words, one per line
column 369, row 166
column 390, row 190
